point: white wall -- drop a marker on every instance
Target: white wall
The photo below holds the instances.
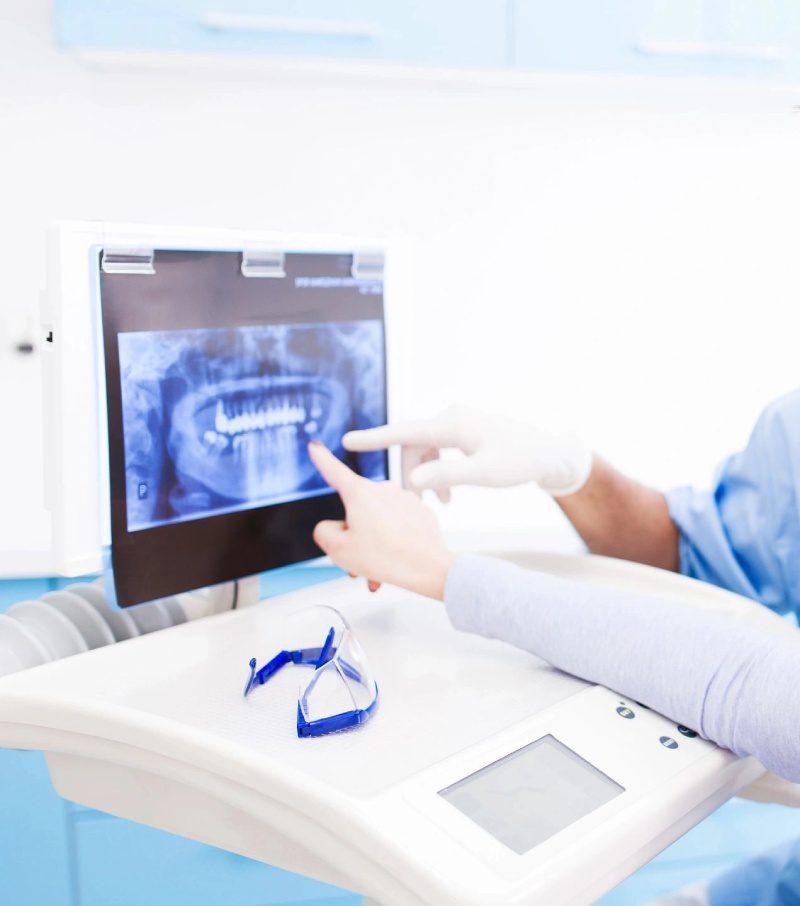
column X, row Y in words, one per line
column 613, row 255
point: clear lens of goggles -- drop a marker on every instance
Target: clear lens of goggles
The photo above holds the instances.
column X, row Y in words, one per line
column 341, row 692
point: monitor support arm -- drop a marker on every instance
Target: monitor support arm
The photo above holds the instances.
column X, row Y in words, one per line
column 203, row 602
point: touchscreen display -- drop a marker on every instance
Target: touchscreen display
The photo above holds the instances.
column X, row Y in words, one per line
column 215, row 381
column 531, row 794
column 219, row 420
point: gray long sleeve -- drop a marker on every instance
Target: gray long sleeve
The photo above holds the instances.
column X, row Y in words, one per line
column 736, row 685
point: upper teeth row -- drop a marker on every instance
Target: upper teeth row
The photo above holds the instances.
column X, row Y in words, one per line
column 281, row 414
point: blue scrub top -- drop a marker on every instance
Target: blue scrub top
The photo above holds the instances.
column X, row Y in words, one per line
column 744, row 535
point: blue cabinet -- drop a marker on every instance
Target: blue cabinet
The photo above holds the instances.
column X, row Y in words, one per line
column 441, row 32
column 718, row 38
column 37, row 863
column 13, row 590
column 59, row 854
column 126, row 864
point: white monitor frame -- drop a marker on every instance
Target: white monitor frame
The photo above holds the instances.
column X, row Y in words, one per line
column 75, row 437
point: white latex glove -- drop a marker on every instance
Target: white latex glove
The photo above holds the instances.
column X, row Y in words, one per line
column 498, row 452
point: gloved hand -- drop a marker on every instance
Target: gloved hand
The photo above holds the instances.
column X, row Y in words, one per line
column 499, row 452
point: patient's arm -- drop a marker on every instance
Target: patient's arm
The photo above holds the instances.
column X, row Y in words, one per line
column 734, row 683
column 619, row 517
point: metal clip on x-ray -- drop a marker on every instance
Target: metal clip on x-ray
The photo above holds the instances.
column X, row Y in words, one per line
column 127, row 261
column 263, row 263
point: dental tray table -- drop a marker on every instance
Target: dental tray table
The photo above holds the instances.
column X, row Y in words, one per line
column 485, row 777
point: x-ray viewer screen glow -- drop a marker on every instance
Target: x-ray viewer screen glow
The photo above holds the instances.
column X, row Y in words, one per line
column 531, row 794
column 217, row 420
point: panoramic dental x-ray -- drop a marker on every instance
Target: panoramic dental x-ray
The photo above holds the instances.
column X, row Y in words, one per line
column 219, row 419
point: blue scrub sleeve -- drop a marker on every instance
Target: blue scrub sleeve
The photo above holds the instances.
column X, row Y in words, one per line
column 744, row 533
column 770, row 879
column 736, row 685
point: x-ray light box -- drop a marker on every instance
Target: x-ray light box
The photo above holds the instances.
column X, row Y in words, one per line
column 188, row 370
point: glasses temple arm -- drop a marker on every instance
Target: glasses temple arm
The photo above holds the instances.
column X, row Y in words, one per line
column 311, row 656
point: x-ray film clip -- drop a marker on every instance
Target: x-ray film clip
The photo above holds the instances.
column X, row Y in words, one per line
column 263, row 264
column 128, row 261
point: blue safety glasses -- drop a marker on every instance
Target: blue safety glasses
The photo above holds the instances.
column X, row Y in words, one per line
column 341, row 692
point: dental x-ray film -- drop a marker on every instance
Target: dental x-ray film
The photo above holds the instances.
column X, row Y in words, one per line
column 220, row 420
column 215, row 383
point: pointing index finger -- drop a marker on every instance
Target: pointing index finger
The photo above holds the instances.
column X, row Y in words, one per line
column 333, row 470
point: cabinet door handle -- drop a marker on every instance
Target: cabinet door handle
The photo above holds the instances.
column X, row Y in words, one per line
column 712, row 50
column 289, row 25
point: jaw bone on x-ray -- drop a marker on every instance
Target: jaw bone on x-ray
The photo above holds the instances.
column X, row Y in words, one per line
column 217, row 420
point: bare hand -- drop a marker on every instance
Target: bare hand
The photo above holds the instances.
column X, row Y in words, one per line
column 388, row 534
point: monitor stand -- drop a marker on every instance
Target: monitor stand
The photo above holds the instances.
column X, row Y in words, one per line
column 203, row 602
